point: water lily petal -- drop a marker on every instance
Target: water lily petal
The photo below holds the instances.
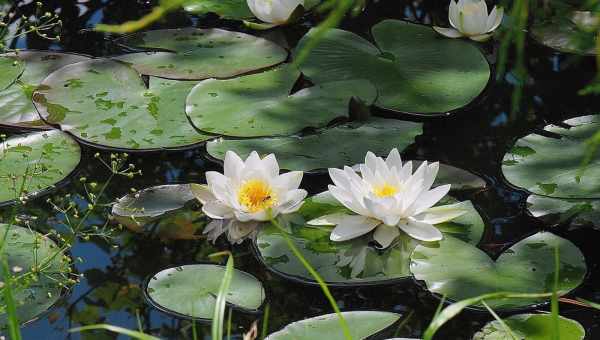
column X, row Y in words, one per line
column 262, row 216
column 371, row 161
column 452, row 16
column 288, row 181
column 430, row 174
column 351, row 227
column 472, row 18
column 330, row 219
column 293, row 201
column 421, row 231
column 270, row 165
column 394, row 159
column 232, row 165
column 214, row 229
column 253, row 162
column 347, row 199
column 339, row 178
column 428, row 199
column 494, row 19
column 237, row 231
column 217, row 210
column 202, row 193
column 261, row 9
column 448, row 32
column 218, row 184
column 441, row 213
column 385, row 235
column 481, row 37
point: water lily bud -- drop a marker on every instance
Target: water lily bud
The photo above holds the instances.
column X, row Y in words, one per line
column 469, row 18
column 276, row 12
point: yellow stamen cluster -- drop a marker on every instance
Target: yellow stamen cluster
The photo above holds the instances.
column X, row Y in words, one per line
column 385, row 190
column 256, row 195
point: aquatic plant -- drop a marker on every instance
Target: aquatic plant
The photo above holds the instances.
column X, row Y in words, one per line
column 470, row 18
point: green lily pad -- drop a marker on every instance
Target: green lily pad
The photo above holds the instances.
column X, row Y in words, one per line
column 363, row 324
column 460, row 270
column 229, row 9
column 346, row 144
column 11, row 69
column 574, row 212
column 260, row 104
column 563, row 35
column 413, row 68
column 551, row 166
column 531, row 327
column 166, row 211
column 194, row 54
column 353, row 262
column 32, row 297
column 191, row 290
column 38, row 161
column 104, row 102
column 16, row 106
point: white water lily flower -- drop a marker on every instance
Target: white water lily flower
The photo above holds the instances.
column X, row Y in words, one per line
column 470, row 19
column 274, row 11
column 388, row 197
column 247, row 193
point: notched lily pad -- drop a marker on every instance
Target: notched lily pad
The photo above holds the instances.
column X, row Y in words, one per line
column 104, row 102
column 35, row 162
column 335, row 147
column 16, row 106
column 195, row 54
column 363, row 324
column 229, row 9
column 560, row 211
column 191, row 290
column 459, row 270
column 353, row 262
column 413, row 69
column 261, row 104
column 167, row 211
column 43, row 289
column 531, row 327
column 551, row 165
column 564, row 35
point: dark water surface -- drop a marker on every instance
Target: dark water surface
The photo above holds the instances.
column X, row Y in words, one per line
column 474, row 139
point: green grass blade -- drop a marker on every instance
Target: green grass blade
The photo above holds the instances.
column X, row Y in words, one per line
column 219, row 313
column 554, row 299
column 507, row 329
column 265, row 324
column 11, row 308
column 116, row 329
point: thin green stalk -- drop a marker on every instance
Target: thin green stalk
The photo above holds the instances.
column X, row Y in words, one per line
column 265, row 324
column 317, row 277
column 229, row 313
column 507, row 329
column 554, row 299
column 11, row 308
column 219, row 313
column 194, row 331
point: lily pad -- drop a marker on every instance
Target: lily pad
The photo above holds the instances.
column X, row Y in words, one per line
column 37, row 161
column 363, row 325
column 531, row 327
column 562, row 35
column 574, row 212
column 260, row 104
column 412, row 67
column 36, row 295
column 191, row 290
column 229, row 9
column 334, row 147
column 551, row 165
column 106, row 103
column 11, row 69
column 353, row 262
column 167, row 211
column 16, row 106
column 459, row 270
column 194, row 53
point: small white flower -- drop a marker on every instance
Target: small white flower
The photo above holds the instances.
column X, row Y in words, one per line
column 388, row 198
column 470, row 19
column 276, row 12
column 247, row 193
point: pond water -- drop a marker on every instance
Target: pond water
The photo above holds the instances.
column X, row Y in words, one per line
column 475, row 138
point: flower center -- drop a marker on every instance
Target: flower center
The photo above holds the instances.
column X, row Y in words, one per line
column 385, row 190
column 256, row 195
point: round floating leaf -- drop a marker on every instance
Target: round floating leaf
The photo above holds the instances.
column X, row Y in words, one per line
column 38, row 161
column 531, row 327
column 335, row 147
column 168, row 211
column 32, row 297
column 16, row 106
column 260, row 104
column 194, row 54
column 413, row 68
column 574, row 212
column 106, row 103
column 191, row 290
column 363, row 324
column 562, row 35
column 11, row 69
column 229, row 9
column 551, row 165
column 353, row 262
column 459, row 270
